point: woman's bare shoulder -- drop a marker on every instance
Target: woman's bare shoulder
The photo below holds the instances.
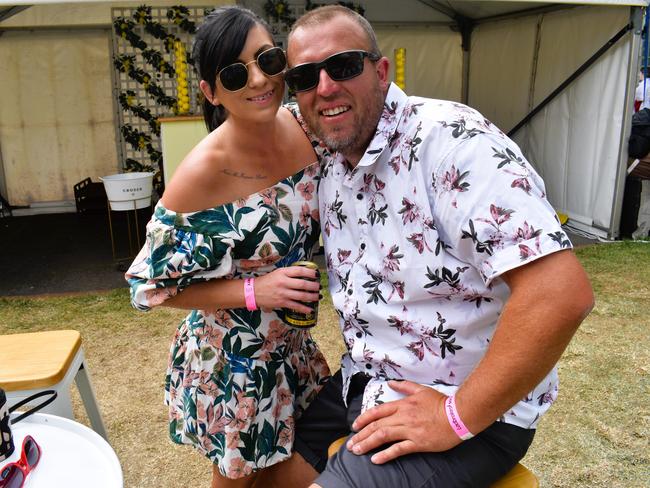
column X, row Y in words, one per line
column 192, row 187
column 301, row 144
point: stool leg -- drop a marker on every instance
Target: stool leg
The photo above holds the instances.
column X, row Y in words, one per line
column 62, row 406
column 88, row 396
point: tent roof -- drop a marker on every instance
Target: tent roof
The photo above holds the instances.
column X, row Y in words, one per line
column 468, row 8
column 485, row 9
column 384, row 11
column 461, row 4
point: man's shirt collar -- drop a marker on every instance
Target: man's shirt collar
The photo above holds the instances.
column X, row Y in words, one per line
column 391, row 115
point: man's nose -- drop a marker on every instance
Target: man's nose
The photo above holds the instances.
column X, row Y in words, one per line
column 326, row 85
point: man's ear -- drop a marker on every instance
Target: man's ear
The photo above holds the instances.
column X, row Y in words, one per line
column 382, row 66
column 207, row 93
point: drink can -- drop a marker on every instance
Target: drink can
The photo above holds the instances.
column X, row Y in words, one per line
column 301, row 320
column 6, row 440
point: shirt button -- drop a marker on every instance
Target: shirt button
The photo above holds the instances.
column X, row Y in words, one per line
column 359, row 335
column 359, row 196
column 368, row 366
column 363, row 245
column 350, row 291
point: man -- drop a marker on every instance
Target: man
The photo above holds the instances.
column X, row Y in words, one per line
column 456, row 287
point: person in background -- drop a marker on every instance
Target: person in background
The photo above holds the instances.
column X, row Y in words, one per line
column 455, row 285
column 642, row 93
column 241, row 207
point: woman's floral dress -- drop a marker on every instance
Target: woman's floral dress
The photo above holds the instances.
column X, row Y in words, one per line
column 236, row 379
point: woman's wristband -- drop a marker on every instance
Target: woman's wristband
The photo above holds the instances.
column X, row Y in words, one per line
column 456, row 423
column 249, row 294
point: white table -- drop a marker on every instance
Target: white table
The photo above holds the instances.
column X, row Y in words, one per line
column 72, row 455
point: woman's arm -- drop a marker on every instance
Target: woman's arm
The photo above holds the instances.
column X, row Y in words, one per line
column 200, row 183
column 282, row 288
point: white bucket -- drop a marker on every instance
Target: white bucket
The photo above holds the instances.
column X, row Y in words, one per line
column 128, row 191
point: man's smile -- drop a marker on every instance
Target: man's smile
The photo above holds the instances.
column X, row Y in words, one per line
column 330, row 112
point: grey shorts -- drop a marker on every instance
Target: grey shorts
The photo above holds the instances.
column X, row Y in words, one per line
column 478, row 462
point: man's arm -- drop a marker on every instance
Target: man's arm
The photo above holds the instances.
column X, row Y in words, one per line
column 549, row 299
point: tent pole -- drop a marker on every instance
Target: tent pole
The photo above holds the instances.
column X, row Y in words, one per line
column 10, row 11
column 465, row 26
column 636, row 19
column 117, row 112
column 3, row 181
column 464, row 90
column 533, row 74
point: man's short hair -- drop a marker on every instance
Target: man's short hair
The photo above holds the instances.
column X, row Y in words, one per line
column 328, row 12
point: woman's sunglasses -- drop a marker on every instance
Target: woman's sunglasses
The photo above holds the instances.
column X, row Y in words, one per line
column 234, row 77
column 13, row 475
column 340, row 66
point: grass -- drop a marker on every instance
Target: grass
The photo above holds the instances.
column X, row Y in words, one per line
column 596, row 435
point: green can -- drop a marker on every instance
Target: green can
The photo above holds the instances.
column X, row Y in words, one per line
column 301, row 320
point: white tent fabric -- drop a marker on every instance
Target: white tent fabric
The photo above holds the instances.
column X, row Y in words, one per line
column 500, row 70
column 515, row 63
column 433, row 65
column 56, row 115
column 574, row 141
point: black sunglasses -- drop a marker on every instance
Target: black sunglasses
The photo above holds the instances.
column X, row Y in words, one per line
column 235, row 76
column 340, row 66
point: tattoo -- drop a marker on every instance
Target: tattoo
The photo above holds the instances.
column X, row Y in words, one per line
column 240, row 174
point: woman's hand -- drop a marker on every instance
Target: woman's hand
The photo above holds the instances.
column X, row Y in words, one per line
column 287, row 288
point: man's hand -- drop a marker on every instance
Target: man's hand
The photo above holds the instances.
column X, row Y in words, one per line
column 416, row 423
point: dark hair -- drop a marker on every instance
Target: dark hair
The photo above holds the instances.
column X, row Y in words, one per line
column 217, row 43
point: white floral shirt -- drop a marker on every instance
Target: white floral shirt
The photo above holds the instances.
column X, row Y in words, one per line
column 416, row 237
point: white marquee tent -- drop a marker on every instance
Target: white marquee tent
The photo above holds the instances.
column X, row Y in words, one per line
column 502, row 57
column 517, row 54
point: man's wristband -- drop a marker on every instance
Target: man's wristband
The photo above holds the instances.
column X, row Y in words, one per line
column 249, row 294
column 456, row 423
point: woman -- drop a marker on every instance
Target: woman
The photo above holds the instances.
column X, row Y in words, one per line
column 241, row 205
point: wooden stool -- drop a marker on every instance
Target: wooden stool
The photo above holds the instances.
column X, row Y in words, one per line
column 39, row 361
column 517, row 477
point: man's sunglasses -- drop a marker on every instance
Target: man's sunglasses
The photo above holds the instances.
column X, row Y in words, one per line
column 235, row 76
column 13, row 475
column 340, row 66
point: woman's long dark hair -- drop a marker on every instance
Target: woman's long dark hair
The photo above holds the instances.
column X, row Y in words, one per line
column 217, row 43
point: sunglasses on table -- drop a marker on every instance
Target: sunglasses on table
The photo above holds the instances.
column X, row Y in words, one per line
column 340, row 67
column 13, row 475
column 271, row 62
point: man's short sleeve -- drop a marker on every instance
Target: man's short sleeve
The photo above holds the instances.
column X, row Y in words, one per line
column 491, row 206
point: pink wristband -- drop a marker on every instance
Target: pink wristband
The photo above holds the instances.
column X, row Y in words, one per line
column 456, row 423
column 249, row 294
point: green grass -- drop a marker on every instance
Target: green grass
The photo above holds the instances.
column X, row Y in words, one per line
column 596, row 435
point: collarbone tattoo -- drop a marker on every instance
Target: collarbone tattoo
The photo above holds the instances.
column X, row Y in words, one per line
column 241, row 174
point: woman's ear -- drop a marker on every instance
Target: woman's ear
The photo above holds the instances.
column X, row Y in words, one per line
column 207, row 92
